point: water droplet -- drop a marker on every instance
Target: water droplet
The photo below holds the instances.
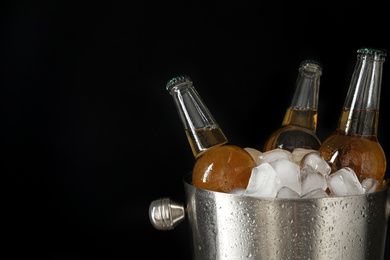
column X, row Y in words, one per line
column 324, row 208
column 200, row 248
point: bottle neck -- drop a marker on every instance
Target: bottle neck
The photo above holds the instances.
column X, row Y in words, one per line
column 303, row 109
column 361, row 108
column 201, row 128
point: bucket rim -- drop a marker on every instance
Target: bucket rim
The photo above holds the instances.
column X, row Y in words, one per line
column 188, row 183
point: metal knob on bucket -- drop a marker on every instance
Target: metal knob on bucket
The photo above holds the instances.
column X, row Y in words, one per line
column 165, row 214
column 225, row 226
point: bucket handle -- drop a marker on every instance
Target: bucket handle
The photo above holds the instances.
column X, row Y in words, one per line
column 166, row 214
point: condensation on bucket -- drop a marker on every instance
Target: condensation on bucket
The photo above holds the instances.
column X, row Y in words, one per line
column 225, row 226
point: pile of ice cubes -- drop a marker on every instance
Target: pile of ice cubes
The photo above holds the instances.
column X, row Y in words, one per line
column 300, row 174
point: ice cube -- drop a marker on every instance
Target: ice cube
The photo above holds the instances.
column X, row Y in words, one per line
column 370, row 185
column 315, row 194
column 287, row 193
column 298, row 154
column 311, row 180
column 316, row 161
column 238, row 191
column 263, row 182
column 344, row 182
column 288, row 173
column 275, row 154
column 254, row 153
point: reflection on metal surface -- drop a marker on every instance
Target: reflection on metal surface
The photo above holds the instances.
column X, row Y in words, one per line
column 166, row 214
column 225, row 226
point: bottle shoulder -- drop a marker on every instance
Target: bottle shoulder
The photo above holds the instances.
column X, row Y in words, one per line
column 225, row 149
column 290, row 137
column 340, row 138
column 285, row 128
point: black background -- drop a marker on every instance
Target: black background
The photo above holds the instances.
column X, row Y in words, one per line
column 91, row 136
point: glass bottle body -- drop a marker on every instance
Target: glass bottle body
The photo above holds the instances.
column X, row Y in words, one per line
column 354, row 144
column 291, row 136
column 300, row 120
column 219, row 166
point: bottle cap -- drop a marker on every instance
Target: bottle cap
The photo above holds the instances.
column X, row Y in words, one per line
column 178, row 80
column 373, row 51
column 315, row 62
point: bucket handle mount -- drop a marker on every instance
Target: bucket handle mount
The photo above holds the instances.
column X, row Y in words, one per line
column 166, row 214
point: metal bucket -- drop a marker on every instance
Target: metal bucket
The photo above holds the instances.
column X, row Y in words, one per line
column 225, row 226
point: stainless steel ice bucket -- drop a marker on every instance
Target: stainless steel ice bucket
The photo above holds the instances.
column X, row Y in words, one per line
column 225, row 226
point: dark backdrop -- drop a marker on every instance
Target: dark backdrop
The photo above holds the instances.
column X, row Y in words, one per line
column 91, row 136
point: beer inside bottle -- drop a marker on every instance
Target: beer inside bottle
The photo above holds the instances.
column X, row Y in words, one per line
column 204, row 138
column 219, row 166
column 354, row 144
column 300, row 120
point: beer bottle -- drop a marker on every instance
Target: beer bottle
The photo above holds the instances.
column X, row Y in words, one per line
column 354, row 143
column 300, row 120
column 219, row 166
